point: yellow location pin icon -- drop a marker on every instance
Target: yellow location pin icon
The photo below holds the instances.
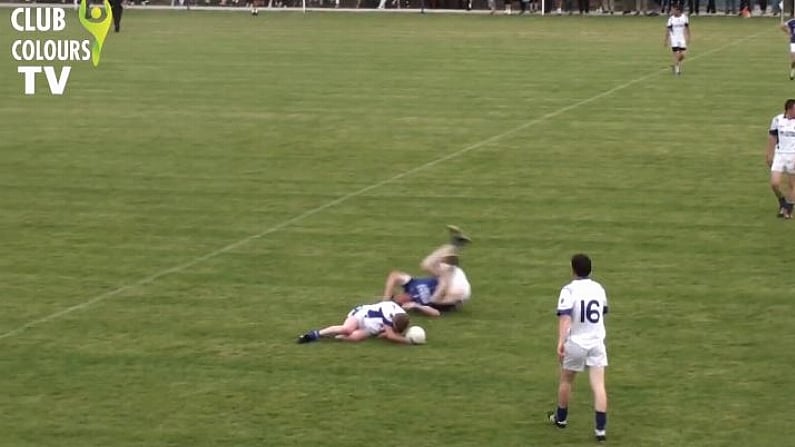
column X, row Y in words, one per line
column 96, row 26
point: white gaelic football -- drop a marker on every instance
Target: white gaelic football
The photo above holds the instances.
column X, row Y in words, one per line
column 416, row 335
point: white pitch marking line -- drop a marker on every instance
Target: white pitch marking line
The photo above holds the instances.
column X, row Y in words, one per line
column 178, row 268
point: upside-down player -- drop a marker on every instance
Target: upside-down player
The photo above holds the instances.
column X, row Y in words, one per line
column 384, row 320
column 446, row 290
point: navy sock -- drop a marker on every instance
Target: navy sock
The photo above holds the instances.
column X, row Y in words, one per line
column 314, row 335
column 561, row 414
column 782, row 202
column 601, row 420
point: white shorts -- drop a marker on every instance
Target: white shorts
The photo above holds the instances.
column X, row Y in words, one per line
column 792, row 48
column 783, row 163
column 373, row 326
column 576, row 358
column 678, row 44
column 459, row 285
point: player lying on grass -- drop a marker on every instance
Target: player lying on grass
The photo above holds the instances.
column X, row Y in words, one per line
column 384, row 320
column 446, row 290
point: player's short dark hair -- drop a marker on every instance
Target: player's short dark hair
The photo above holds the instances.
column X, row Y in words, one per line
column 400, row 323
column 581, row 265
column 790, row 103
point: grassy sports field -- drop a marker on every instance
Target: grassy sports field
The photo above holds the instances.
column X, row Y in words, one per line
column 221, row 183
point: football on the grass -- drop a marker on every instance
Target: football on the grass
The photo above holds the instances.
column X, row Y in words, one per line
column 416, row 335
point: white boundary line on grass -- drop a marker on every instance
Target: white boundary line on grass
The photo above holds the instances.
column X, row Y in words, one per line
column 309, row 213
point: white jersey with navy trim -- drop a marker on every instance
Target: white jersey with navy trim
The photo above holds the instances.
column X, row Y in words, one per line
column 374, row 317
column 585, row 300
column 676, row 30
column 783, row 129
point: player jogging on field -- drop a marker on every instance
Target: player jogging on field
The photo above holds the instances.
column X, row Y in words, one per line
column 780, row 157
column 677, row 34
column 384, row 320
column 446, row 290
column 789, row 28
column 582, row 306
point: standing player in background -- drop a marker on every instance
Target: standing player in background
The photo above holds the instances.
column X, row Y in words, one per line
column 780, row 157
column 789, row 28
column 677, row 34
column 582, row 306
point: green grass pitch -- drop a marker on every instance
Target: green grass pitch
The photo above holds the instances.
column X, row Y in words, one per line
column 199, row 130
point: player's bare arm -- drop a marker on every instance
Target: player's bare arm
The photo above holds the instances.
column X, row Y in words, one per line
column 393, row 336
column 394, row 280
column 771, row 148
column 564, row 324
column 427, row 310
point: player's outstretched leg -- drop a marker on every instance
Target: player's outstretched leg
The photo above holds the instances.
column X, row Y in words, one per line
column 433, row 262
column 446, row 254
column 457, row 237
column 347, row 328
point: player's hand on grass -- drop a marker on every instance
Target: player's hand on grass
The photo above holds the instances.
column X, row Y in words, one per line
column 409, row 305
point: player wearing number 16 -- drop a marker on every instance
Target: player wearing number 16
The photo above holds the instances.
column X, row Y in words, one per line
column 582, row 306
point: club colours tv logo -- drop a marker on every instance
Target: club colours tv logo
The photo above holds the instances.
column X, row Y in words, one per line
column 33, row 54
